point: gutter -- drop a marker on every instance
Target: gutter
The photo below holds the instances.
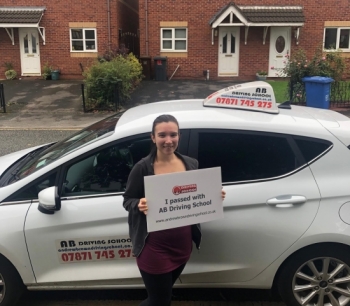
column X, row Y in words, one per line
column 109, row 24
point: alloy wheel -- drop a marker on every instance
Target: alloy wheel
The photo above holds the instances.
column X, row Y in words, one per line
column 323, row 281
column 2, row 288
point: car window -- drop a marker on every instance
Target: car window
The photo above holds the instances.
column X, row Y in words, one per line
column 311, row 147
column 246, row 156
column 106, row 170
column 31, row 191
column 94, row 132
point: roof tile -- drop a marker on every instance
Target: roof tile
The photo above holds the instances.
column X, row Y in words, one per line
column 21, row 15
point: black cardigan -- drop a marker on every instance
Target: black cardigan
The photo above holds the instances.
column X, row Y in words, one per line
column 135, row 190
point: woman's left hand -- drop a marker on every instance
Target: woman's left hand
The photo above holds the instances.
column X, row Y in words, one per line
column 223, row 194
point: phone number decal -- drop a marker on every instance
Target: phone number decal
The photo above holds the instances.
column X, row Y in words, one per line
column 75, row 250
column 243, row 102
column 96, row 256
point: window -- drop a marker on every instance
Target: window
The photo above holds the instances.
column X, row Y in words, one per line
column 174, row 39
column 106, row 170
column 41, row 158
column 311, row 148
column 30, row 192
column 336, row 38
column 246, row 156
column 83, row 40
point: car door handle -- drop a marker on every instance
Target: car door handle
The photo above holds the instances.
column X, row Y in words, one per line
column 286, row 200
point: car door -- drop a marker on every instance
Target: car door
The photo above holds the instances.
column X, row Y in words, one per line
column 87, row 239
column 271, row 200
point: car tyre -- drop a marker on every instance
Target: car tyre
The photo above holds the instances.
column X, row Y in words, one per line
column 318, row 275
column 11, row 285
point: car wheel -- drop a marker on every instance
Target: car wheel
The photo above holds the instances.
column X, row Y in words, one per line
column 319, row 275
column 11, row 285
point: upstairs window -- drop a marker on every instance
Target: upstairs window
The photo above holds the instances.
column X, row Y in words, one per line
column 83, row 40
column 337, row 38
column 174, row 39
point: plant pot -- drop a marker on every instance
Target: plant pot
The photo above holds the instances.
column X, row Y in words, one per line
column 55, row 75
column 46, row 76
column 260, row 77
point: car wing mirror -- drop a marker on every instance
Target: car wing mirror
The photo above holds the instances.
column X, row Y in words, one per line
column 49, row 200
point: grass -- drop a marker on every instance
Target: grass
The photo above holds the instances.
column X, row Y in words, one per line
column 280, row 90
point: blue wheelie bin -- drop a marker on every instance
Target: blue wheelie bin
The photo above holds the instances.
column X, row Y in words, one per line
column 318, row 90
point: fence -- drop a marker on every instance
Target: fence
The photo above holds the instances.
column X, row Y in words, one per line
column 113, row 102
column 339, row 96
column 2, row 98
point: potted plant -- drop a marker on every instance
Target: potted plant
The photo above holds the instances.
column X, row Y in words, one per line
column 10, row 73
column 46, row 73
column 261, row 75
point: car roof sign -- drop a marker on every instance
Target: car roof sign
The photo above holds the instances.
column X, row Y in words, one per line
column 256, row 96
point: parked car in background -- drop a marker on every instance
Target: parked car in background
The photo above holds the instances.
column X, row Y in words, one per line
column 285, row 170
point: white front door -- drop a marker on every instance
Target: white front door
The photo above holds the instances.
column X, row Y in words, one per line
column 30, row 55
column 279, row 49
column 228, row 51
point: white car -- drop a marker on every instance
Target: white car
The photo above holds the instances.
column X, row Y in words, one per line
column 286, row 225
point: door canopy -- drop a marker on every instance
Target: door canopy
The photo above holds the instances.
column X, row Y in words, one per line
column 258, row 16
column 21, row 17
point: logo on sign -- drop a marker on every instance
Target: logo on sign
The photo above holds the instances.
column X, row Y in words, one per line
column 184, row 189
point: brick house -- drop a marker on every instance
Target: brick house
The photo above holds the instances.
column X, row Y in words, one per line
column 67, row 35
column 236, row 39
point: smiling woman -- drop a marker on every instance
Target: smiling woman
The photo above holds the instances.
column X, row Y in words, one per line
column 161, row 256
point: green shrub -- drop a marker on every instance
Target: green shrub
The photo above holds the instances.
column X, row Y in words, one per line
column 101, row 78
column 326, row 64
column 10, row 74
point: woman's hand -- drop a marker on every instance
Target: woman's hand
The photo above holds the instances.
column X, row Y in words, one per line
column 143, row 206
column 223, row 194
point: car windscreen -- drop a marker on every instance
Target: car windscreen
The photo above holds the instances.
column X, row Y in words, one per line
column 97, row 131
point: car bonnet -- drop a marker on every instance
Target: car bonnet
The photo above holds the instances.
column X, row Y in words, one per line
column 7, row 160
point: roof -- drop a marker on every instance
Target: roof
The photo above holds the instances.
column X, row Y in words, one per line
column 191, row 114
column 261, row 14
column 21, row 14
column 275, row 14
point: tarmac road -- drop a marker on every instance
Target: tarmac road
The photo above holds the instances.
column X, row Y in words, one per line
column 182, row 297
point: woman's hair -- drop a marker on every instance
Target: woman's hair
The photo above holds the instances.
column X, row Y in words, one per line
column 161, row 119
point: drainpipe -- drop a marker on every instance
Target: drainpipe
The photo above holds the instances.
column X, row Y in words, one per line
column 109, row 24
column 146, row 27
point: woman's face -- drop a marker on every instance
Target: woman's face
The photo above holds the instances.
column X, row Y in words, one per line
column 166, row 137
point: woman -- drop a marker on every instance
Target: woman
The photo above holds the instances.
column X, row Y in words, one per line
column 161, row 256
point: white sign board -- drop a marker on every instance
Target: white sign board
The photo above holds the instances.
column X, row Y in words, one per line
column 183, row 198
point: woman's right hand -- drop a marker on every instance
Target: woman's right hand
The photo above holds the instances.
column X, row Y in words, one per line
column 143, row 206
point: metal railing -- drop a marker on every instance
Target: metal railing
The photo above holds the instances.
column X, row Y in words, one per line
column 2, row 98
column 339, row 95
column 113, row 103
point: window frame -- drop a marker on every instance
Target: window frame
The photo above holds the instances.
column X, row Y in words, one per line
column 10, row 199
column 337, row 39
column 182, row 148
column 173, row 39
column 71, row 39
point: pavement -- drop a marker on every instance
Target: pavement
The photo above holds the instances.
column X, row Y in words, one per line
column 57, row 105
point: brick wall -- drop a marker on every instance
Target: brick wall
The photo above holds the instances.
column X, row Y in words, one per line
column 56, row 19
column 203, row 55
